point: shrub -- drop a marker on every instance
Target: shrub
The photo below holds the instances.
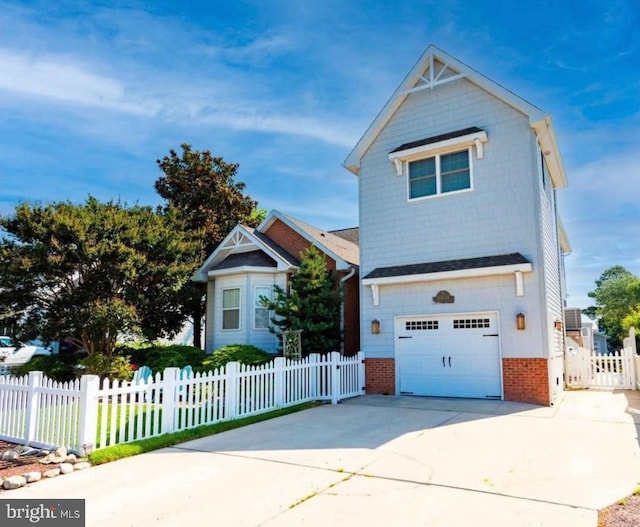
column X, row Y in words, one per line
column 57, row 367
column 235, row 352
column 109, row 366
column 158, row 357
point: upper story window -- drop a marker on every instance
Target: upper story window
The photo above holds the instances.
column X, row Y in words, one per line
column 439, row 174
column 440, row 164
column 231, row 308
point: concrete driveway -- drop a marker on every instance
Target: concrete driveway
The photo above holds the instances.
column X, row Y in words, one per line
column 379, row 460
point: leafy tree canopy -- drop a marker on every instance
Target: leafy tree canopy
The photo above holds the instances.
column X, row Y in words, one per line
column 92, row 272
column 312, row 304
column 209, row 203
column 617, row 303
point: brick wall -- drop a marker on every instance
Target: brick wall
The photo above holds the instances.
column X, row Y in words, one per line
column 290, row 240
column 526, row 380
column 352, row 316
column 380, row 376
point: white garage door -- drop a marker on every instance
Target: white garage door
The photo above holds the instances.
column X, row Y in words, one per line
column 449, row 355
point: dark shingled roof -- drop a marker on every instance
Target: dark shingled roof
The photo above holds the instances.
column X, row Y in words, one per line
column 436, row 138
column 448, row 265
column 351, row 235
column 252, row 258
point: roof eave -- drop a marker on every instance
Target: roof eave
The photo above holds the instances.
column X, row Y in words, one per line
column 546, row 136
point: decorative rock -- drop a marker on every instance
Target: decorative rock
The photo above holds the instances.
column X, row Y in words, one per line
column 52, row 473
column 61, row 452
column 81, row 465
column 33, row 476
column 14, row 482
column 71, row 458
column 66, row 468
column 9, row 455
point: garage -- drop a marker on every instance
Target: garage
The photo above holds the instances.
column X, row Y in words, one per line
column 449, row 355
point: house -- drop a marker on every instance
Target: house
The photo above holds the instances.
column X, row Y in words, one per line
column 584, row 334
column 461, row 247
column 249, row 262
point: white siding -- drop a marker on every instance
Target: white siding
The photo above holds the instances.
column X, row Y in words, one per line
column 499, row 216
column 471, row 295
column 247, row 282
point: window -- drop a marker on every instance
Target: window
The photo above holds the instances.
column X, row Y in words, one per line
column 231, row 308
column 421, row 325
column 471, row 323
column 261, row 313
column 439, row 174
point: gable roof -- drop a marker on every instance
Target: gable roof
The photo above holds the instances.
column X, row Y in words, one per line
column 236, row 250
column 246, row 247
column 344, row 251
column 436, row 67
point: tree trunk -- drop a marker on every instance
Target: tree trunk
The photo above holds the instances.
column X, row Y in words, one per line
column 197, row 330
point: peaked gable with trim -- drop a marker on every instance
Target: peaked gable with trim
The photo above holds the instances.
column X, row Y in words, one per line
column 435, row 68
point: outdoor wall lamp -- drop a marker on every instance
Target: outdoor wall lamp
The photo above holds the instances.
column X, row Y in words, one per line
column 375, row 326
column 558, row 325
column 520, row 321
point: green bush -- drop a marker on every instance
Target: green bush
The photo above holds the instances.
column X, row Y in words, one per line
column 109, row 366
column 158, row 357
column 57, row 367
column 235, row 352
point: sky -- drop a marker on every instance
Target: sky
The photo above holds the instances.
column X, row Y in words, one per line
column 93, row 93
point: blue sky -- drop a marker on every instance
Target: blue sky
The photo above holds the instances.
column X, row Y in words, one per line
column 92, row 93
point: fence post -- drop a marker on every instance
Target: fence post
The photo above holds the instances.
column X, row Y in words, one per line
column 313, row 374
column 335, row 377
column 33, row 407
column 631, row 356
column 88, row 429
column 169, row 394
column 361, row 372
column 278, row 382
column 231, row 390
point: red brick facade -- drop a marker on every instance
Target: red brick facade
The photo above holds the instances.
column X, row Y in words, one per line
column 290, row 240
column 380, row 376
column 526, row 380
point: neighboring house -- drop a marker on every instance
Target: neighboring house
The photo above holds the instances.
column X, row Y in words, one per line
column 249, row 262
column 461, row 248
column 585, row 334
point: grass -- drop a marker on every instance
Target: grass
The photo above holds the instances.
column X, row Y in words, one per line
column 113, row 453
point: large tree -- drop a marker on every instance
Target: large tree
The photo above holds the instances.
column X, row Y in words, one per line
column 92, row 272
column 312, row 304
column 617, row 303
column 209, row 202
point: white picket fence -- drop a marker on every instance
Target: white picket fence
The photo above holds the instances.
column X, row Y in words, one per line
column 584, row 369
column 86, row 415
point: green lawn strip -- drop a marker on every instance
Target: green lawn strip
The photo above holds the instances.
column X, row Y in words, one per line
column 113, row 453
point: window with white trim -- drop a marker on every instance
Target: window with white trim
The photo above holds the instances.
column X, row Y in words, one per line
column 231, row 308
column 439, row 174
column 261, row 314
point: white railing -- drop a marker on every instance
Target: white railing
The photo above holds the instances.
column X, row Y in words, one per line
column 87, row 414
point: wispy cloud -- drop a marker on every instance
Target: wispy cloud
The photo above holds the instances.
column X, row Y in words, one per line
column 59, row 79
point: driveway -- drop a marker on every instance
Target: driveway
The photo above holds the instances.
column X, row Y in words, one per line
column 379, row 460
